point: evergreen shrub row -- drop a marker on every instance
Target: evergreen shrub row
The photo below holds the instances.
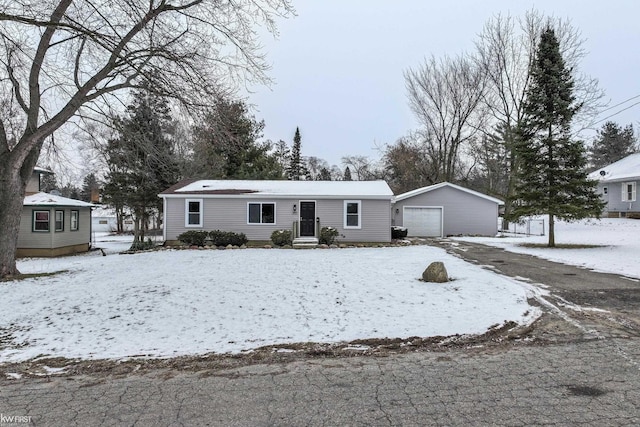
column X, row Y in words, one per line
column 213, row 238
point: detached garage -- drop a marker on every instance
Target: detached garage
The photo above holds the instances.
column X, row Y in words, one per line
column 446, row 209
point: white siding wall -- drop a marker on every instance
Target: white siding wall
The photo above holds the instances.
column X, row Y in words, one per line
column 463, row 213
column 231, row 215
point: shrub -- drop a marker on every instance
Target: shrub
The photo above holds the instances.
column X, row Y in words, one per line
column 281, row 237
column 194, row 237
column 225, row 238
column 398, row 232
column 142, row 246
column 328, row 235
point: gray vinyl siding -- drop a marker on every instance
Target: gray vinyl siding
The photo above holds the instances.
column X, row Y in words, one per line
column 613, row 198
column 33, row 185
column 463, row 213
column 27, row 238
column 230, row 214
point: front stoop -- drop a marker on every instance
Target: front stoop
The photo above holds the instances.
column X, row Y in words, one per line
column 305, row 242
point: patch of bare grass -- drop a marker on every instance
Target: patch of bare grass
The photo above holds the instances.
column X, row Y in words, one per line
column 32, row 275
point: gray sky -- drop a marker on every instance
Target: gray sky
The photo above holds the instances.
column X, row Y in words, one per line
column 338, row 66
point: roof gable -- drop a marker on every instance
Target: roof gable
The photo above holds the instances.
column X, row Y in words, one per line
column 45, row 199
column 626, row 168
column 429, row 188
column 283, row 188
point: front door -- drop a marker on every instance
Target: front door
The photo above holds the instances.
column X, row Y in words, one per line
column 307, row 219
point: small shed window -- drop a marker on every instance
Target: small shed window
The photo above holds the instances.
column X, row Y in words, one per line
column 193, row 213
column 41, row 221
column 352, row 214
column 74, row 220
column 59, row 220
column 261, row 213
column 629, row 191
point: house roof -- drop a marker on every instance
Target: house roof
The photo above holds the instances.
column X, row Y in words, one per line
column 42, row 170
column 280, row 189
column 628, row 167
column 45, row 199
column 429, row 188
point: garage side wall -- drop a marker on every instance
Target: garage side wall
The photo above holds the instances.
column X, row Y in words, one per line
column 464, row 213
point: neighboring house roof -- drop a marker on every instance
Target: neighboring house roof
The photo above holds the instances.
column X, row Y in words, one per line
column 280, row 189
column 45, row 199
column 422, row 190
column 626, row 168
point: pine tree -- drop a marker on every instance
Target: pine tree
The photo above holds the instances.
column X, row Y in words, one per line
column 552, row 173
column 612, row 144
column 297, row 170
column 141, row 162
column 347, row 174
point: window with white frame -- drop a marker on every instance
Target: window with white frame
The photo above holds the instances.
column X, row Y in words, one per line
column 41, row 221
column 629, row 191
column 352, row 214
column 59, row 220
column 261, row 213
column 193, row 213
column 74, row 220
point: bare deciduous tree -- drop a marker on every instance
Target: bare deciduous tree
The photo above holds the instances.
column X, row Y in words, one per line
column 445, row 96
column 60, row 57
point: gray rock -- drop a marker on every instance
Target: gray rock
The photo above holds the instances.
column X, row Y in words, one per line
column 436, row 272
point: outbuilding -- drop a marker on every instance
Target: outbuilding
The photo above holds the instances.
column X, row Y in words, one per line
column 446, row 209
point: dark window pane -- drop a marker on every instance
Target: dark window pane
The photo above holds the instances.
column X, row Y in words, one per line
column 352, row 208
column 42, row 216
column 194, row 206
column 268, row 213
column 194, row 218
column 352, row 220
column 42, row 226
column 254, row 213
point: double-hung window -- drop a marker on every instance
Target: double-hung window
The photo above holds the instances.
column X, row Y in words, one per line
column 74, row 220
column 352, row 214
column 193, row 213
column 261, row 213
column 59, row 220
column 41, row 221
column 629, row 191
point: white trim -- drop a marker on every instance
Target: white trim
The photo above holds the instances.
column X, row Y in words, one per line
column 262, row 223
column 422, row 190
column 426, row 207
column 625, row 191
column 55, row 221
column 344, row 215
column 164, row 220
column 71, row 212
column 186, row 213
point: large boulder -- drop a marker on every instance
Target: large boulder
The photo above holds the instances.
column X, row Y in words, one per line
column 436, row 272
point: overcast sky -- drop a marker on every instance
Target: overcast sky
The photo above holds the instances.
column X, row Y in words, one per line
column 338, row 66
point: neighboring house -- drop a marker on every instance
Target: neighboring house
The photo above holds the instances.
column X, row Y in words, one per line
column 52, row 225
column 446, row 209
column 617, row 185
column 359, row 210
column 104, row 220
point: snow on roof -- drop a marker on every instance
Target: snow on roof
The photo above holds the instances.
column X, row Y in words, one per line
column 422, row 190
column 372, row 189
column 42, row 170
column 45, row 199
column 628, row 167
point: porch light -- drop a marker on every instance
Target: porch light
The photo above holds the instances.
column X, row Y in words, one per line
column 295, row 208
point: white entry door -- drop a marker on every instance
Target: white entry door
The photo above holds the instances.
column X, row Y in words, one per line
column 422, row 221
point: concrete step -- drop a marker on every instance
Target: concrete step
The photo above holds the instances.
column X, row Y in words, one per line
column 305, row 242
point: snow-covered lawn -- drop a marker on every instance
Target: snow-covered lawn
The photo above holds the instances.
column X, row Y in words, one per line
column 618, row 240
column 188, row 302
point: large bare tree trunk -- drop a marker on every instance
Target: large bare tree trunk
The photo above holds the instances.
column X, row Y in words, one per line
column 13, row 183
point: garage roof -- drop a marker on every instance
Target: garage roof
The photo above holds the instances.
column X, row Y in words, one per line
column 422, row 190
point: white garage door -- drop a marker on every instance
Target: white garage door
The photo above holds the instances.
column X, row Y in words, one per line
column 422, row 221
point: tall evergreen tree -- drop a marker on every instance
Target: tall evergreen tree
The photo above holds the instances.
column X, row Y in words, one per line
column 140, row 160
column 90, row 188
column 297, row 169
column 347, row 174
column 552, row 173
column 612, row 144
column 226, row 145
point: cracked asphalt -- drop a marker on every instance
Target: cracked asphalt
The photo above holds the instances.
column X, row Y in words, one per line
column 575, row 367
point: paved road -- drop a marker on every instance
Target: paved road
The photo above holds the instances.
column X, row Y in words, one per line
column 590, row 377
